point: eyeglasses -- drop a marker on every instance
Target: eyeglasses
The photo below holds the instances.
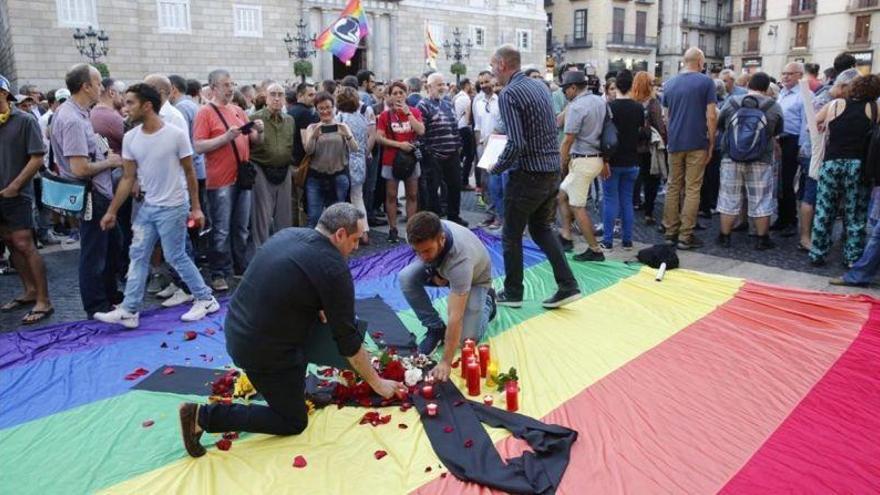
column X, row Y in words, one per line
column 791, row 73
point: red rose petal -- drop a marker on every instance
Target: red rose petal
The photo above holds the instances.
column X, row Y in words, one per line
column 448, row 429
column 299, row 462
column 428, row 469
column 190, row 335
column 365, row 402
column 377, row 335
column 168, row 371
column 230, row 435
column 468, row 443
column 402, row 426
column 442, row 475
column 385, row 419
column 379, row 454
column 148, row 423
column 406, row 406
column 456, row 363
column 223, row 444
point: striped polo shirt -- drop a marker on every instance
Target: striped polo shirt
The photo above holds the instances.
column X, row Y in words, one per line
column 441, row 128
column 527, row 113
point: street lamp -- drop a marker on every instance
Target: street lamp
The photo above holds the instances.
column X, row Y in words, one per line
column 301, row 48
column 558, row 52
column 91, row 44
column 458, row 51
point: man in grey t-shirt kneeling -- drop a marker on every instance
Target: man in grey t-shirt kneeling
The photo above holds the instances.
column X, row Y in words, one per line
column 448, row 255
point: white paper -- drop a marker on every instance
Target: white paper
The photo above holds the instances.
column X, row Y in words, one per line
column 494, row 146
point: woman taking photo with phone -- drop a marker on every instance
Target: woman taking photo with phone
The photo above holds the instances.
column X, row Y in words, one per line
column 397, row 130
column 328, row 143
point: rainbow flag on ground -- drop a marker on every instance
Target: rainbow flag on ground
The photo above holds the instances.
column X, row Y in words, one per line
column 343, row 36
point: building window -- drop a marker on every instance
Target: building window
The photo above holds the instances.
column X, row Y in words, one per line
column 580, row 24
column 173, row 16
column 641, row 26
column 618, row 23
column 719, row 47
column 703, row 6
column 478, row 35
column 863, row 29
column 77, row 13
column 524, row 40
column 754, row 39
column 684, row 40
column 248, row 20
column 802, row 34
column 701, row 42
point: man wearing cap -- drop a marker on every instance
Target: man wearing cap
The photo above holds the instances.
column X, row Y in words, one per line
column 21, row 156
column 581, row 160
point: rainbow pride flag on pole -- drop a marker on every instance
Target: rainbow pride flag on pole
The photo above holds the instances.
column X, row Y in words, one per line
column 343, row 36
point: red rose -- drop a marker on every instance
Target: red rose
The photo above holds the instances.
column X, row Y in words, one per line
column 190, row 335
column 448, row 429
column 468, row 443
column 223, row 444
column 394, row 370
column 168, row 371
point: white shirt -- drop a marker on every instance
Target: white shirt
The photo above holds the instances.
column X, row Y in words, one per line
column 487, row 117
column 171, row 115
column 158, row 156
column 462, row 104
column 44, row 126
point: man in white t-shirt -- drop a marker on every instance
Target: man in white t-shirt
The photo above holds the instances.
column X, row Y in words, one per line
column 159, row 156
column 169, row 113
column 462, row 107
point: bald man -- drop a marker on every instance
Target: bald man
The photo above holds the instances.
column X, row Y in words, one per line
column 793, row 113
column 168, row 113
column 690, row 101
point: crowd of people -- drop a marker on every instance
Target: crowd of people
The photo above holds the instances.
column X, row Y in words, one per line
column 182, row 175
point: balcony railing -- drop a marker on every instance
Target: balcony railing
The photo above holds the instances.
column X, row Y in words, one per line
column 751, row 48
column 802, row 8
column 705, row 22
column 863, row 5
column 799, row 44
column 863, row 40
column 585, row 41
column 750, row 17
column 632, row 41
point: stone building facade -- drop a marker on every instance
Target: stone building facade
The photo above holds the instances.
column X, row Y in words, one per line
column 767, row 34
column 604, row 35
column 192, row 37
column 685, row 23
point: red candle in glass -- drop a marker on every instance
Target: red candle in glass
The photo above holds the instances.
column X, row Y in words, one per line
column 467, row 353
column 512, row 391
column 431, row 409
column 484, row 358
column 473, row 377
column 428, row 391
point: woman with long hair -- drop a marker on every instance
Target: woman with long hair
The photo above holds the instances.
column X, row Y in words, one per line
column 643, row 92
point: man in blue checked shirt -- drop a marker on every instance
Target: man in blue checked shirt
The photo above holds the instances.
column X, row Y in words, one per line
column 532, row 156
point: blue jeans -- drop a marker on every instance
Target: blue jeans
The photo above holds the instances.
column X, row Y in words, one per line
column 230, row 215
column 864, row 270
column 618, row 200
column 413, row 280
column 168, row 225
column 100, row 254
column 497, row 184
column 324, row 190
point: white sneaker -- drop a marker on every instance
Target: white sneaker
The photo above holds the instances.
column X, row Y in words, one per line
column 167, row 292
column 200, row 309
column 119, row 316
column 179, row 297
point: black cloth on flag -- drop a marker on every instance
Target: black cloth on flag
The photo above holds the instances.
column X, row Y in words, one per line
column 538, row 472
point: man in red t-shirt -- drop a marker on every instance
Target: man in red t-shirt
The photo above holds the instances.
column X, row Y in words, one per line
column 229, row 205
column 397, row 129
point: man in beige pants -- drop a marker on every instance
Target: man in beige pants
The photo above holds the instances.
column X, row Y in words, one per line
column 690, row 100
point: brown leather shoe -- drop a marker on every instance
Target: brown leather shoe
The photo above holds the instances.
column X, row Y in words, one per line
column 188, row 415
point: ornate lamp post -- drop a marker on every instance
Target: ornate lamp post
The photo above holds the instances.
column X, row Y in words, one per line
column 558, row 52
column 301, row 48
column 91, row 44
column 457, row 51
column 555, row 57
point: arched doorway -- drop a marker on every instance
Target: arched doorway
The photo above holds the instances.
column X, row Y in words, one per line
column 356, row 63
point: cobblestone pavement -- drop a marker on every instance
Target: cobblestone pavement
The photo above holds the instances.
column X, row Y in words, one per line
column 61, row 262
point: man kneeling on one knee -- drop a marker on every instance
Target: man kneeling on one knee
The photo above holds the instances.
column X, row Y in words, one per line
column 448, row 255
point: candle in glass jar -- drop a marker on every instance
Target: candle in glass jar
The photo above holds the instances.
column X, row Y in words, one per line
column 467, row 353
column 488, row 400
column 470, row 343
column 512, row 391
column 431, row 408
column 484, row 358
column 473, row 377
column 428, row 391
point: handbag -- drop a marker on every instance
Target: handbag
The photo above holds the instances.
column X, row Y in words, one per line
column 247, row 172
column 609, row 134
column 275, row 175
column 67, row 197
column 404, row 163
column 302, row 172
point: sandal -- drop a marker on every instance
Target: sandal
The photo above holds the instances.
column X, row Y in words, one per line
column 15, row 304
column 40, row 314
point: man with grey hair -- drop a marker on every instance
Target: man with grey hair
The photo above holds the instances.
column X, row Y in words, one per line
column 299, row 279
column 728, row 77
column 691, row 103
column 220, row 134
column 792, row 110
column 532, row 156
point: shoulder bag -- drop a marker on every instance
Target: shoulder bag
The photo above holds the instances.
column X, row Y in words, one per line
column 247, row 173
column 404, row 163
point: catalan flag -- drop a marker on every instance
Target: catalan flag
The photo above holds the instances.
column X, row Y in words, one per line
column 431, row 49
column 343, row 36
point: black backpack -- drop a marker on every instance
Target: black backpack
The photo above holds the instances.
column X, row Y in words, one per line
column 871, row 160
column 659, row 253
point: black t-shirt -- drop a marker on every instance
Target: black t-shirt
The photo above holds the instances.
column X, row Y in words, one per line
column 303, row 117
column 297, row 273
column 629, row 117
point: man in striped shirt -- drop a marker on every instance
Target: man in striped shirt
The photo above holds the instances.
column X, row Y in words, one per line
column 442, row 152
column 532, row 156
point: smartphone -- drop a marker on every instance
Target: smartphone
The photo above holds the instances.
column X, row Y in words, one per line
column 245, row 129
column 326, row 129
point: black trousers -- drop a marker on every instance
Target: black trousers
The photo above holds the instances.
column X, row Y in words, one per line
column 468, row 153
column 650, row 184
column 788, row 171
column 530, row 201
column 437, row 171
column 711, row 183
